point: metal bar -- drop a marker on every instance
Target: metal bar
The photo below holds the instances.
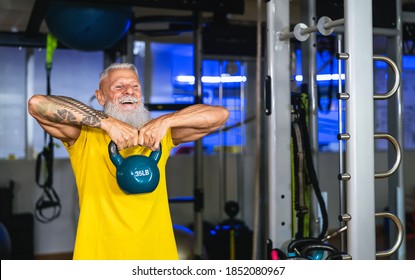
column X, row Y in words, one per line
column 335, row 233
column 19, row 39
column 399, row 238
column 329, row 24
column 279, row 124
column 398, row 153
column 309, row 52
column 39, row 10
column 342, row 193
column 408, row 17
column 309, row 30
column 198, row 149
column 334, row 23
column 396, row 184
column 396, row 73
column 361, row 238
column 388, row 32
column 257, row 249
column 241, row 154
column 30, row 81
column 222, row 156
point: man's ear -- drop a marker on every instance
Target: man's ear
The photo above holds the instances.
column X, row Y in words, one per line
column 100, row 97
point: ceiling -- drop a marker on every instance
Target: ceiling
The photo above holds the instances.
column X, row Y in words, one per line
column 15, row 14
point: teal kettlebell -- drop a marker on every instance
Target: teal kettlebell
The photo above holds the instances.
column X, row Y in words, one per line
column 137, row 173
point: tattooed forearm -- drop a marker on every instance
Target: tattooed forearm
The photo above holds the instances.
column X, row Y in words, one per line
column 73, row 111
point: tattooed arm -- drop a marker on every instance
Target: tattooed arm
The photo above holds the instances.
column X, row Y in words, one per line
column 62, row 117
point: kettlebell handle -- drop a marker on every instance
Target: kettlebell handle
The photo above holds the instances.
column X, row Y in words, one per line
column 114, row 153
column 115, row 156
column 112, row 148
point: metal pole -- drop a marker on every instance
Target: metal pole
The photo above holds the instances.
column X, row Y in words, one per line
column 30, row 73
column 198, row 149
column 396, row 189
column 222, row 156
column 342, row 201
column 257, row 251
column 309, row 52
column 279, row 123
column 240, row 187
column 361, row 235
column 325, row 27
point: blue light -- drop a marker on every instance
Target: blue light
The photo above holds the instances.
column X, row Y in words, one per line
column 408, row 62
column 322, row 77
column 183, row 228
column 211, row 79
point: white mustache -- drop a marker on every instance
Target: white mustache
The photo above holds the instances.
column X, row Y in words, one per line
column 125, row 99
column 136, row 118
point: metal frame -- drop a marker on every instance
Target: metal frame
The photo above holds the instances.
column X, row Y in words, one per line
column 359, row 175
column 361, row 237
column 198, row 148
column 278, row 123
column 309, row 53
column 396, row 185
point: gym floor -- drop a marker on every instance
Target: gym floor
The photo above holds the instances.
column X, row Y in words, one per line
column 381, row 244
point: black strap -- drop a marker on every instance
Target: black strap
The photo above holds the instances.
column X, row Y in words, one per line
column 48, row 206
column 300, row 124
column 311, row 172
column 299, row 177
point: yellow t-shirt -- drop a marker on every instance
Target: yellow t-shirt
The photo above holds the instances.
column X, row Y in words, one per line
column 112, row 224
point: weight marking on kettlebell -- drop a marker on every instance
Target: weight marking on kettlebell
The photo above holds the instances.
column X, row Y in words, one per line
column 140, row 173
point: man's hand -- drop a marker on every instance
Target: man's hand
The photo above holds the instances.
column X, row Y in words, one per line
column 151, row 134
column 123, row 135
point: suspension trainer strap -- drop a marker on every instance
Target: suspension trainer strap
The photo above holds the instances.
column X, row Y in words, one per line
column 300, row 190
column 49, row 199
column 311, row 172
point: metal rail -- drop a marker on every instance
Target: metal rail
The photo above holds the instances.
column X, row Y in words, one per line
column 301, row 31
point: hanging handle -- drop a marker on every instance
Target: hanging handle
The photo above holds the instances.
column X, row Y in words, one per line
column 385, row 253
column 398, row 152
column 399, row 238
column 396, row 72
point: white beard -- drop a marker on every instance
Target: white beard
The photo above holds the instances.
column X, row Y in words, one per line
column 136, row 118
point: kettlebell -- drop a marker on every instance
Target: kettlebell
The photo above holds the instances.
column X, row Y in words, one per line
column 137, row 173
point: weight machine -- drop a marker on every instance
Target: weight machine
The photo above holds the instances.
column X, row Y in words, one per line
column 357, row 173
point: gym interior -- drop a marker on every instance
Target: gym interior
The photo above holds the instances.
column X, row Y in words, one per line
column 316, row 160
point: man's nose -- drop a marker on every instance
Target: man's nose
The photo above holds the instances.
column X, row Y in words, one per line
column 129, row 90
